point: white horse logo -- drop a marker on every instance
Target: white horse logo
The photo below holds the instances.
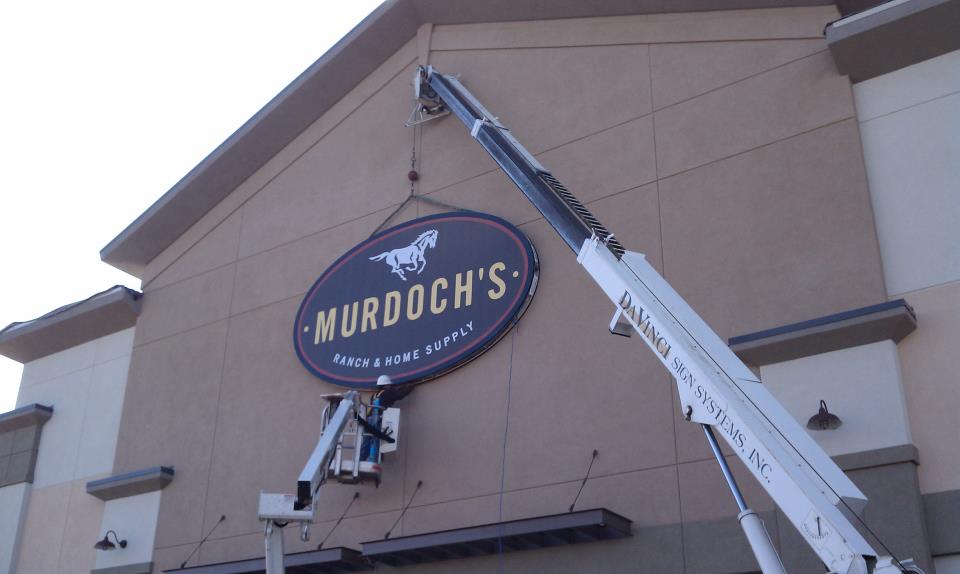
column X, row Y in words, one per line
column 409, row 258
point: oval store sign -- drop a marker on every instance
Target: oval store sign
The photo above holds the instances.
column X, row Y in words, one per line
column 416, row 301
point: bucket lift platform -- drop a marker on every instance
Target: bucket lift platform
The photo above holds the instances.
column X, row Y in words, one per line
column 358, row 451
column 350, row 450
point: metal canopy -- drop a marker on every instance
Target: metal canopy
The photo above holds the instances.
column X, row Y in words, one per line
column 526, row 534
column 329, row 561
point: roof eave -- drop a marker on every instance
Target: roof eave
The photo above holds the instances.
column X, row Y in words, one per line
column 107, row 312
column 301, row 103
column 330, row 78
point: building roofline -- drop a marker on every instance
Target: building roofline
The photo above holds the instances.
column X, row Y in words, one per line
column 325, row 82
column 106, row 312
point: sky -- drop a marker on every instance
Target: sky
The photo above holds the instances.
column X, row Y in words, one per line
column 106, row 104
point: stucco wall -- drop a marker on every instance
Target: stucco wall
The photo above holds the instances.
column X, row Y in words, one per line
column 844, row 379
column 911, row 146
column 13, row 503
column 85, row 386
column 723, row 145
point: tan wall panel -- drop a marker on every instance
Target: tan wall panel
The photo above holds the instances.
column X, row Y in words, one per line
column 491, row 193
column 189, row 304
column 783, row 102
column 359, row 167
column 607, row 162
column 611, row 161
column 215, row 249
column 736, row 250
column 778, row 235
column 291, row 269
column 705, row 495
column 170, row 557
column 169, row 418
column 574, row 384
column 61, row 525
column 648, row 498
column 449, row 515
column 81, row 530
column 14, row 499
column 804, row 22
column 684, row 71
column 231, row 548
column 547, row 97
column 43, row 529
column 453, row 430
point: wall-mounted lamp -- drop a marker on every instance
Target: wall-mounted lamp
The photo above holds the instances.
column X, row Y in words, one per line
column 824, row 420
column 105, row 544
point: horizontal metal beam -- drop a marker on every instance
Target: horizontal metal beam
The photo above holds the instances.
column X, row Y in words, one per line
column 525, row 534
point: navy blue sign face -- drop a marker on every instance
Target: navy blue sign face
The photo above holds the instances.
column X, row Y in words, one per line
column 416, row 301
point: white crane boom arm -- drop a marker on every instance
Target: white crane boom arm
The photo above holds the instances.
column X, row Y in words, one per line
column 716, row 389
column 314, row 472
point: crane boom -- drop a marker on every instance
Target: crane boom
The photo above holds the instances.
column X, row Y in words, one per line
column 716, row 389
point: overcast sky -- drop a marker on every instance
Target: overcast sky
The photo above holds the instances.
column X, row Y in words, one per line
column 105, row 105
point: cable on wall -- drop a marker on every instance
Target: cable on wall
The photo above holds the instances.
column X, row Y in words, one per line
column 356, row 495
column 184, row 563
column 404, row 511
column 503, row 458
column 585, row 478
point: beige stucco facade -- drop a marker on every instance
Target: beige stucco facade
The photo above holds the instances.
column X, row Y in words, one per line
column 85, row 386
column 724, row 145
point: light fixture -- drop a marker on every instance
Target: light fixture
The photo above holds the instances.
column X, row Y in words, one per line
column 824, row 419
column 105, row 544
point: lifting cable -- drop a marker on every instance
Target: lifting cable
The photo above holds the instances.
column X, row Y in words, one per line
column 413, row 176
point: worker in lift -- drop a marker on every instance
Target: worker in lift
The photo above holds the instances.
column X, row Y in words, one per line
column 382, row 400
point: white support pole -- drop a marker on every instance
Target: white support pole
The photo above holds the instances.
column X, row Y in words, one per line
column 757, row 535
column 760, row 543
column 274, row 548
